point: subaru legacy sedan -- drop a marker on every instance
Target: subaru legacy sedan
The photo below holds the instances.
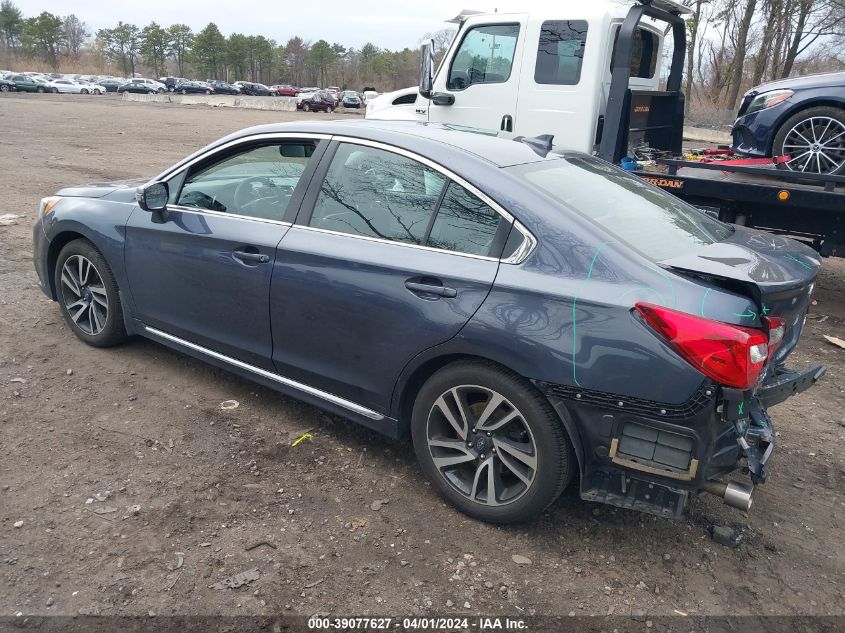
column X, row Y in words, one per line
column 523, row 313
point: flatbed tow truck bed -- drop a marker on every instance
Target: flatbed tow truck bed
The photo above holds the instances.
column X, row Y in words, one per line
column 810, row 207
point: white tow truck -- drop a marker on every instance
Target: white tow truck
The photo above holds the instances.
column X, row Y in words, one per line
column 588, row 76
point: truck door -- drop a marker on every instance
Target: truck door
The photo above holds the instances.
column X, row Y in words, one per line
column 478, row 83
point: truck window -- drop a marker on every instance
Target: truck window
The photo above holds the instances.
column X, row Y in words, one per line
column 560, row 52
column 485, row 56
column 643, row 53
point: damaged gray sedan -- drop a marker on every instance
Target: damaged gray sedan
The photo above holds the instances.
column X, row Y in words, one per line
column 525, row 314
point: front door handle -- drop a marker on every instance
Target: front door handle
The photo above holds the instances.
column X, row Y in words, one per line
column 253, row 258
column 431, row 289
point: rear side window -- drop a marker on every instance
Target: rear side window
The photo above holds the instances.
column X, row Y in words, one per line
column 643, row 53
column 464, row 223
column 560, row 52
column 375, row 193
column 657, row 224
column 372, row 192
column 485, row 56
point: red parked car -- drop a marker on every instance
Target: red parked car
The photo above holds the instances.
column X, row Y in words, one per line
column 285, row 90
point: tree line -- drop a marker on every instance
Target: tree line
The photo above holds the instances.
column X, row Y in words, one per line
column 66, row 42
column 733, row 45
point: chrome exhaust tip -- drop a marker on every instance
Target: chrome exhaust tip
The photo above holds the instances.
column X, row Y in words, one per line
column 732, row 493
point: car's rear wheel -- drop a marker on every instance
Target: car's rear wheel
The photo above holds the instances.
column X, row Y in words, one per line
column 329, row 110
column 208, row 92
column 40, row 89
column 88, row 295
column 815, row 141
column 184, row 92
column 4, row 88
column 84, row 91
column 490, row 442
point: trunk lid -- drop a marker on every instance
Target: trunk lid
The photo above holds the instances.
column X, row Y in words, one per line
column 778, row 273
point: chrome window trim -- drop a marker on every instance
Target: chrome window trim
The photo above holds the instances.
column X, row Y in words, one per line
column 529, row 242
column 268, row 136
column 323, row 395
column 382, row 240
column 223, row 214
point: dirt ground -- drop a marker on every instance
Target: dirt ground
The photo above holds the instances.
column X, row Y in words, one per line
column 341, row 523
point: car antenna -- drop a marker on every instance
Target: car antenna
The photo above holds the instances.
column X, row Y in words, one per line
column 542, row 144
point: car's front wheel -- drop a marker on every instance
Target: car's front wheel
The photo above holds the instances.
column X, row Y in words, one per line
column 329, row 110
column 490, row 442
column 4, row 88
column 306, row 107
column 814, row 139
column 84, row 91
column 88, row 295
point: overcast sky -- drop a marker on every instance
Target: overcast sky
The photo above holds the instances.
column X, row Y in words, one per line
column 388, row 24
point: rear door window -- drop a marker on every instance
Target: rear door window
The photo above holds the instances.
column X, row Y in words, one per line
column 560, row 52
column 375, row 193
column 371, row 192
column 464, row 223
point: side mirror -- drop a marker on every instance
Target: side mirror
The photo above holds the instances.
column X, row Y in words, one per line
column 426, row 68
column 153, row 197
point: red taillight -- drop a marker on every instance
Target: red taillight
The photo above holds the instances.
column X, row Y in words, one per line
column 777, row 330
column 731, row 355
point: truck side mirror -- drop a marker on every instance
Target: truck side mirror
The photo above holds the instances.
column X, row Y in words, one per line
column 426, row 68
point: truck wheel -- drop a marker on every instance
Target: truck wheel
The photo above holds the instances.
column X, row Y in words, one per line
column 814, row 139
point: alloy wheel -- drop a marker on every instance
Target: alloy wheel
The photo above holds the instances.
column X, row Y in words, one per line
column 84, row 294
column 482, row 445
column 816, row 145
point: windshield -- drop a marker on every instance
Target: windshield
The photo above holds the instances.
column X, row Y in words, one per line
column 655, row 223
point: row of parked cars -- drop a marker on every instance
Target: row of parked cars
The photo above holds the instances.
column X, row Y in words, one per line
column 309, row 99
column 40, row 82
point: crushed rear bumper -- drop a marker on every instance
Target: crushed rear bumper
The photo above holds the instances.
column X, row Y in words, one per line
column 652, row 456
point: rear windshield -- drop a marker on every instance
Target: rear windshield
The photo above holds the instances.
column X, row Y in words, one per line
column 655, row 223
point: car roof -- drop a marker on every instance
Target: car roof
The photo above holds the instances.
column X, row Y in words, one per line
column 502, row 149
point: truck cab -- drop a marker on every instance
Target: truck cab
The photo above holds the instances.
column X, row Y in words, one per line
column 543, row 71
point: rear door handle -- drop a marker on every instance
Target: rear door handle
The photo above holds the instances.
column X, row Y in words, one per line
column 431, row 289
column 255, row 258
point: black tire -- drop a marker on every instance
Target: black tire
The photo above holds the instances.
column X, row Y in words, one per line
column 329, row 110
column 55, row 91
column 306, row 107
column 551, row 449
column 4, row 88
column 40, row 89
column 84, row 91
column 208, row 92
column 184, row 92
column 113, row 330
column 837, row 115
